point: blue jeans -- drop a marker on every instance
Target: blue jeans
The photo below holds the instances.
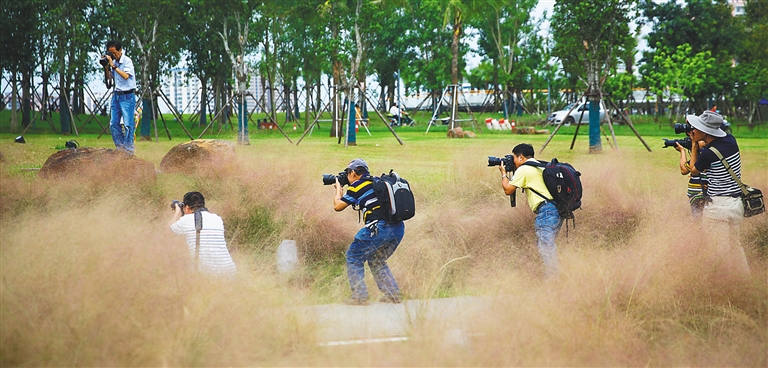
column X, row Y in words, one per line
column 548, row 224
column 123, row 106
column 375, row 249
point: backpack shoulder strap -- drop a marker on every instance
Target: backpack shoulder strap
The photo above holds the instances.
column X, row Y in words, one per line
column 535, row 164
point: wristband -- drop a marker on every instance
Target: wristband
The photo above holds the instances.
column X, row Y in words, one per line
column 114, row 67
column 504, row 177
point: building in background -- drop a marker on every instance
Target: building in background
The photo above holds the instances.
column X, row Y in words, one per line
column 738, row 7
column 184, row 91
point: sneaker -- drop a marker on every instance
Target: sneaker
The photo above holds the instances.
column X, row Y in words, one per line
column 394, row 299
column 355, row 301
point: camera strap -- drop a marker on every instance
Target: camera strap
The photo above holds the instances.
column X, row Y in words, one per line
column 198, row 227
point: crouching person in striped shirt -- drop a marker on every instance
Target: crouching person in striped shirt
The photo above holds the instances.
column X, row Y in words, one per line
column 207, row 247
column 724, row 211
column 375, row 242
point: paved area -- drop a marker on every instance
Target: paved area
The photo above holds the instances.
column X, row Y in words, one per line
column 340, row 324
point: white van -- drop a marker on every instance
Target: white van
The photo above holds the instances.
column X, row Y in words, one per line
column 580, row 114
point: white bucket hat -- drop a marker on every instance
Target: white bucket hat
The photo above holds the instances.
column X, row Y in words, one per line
column 708, row 122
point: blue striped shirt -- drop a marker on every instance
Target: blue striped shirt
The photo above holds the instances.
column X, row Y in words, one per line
column 721, row 182
column 361, row 194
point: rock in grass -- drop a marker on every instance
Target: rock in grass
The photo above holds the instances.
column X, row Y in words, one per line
column 104, row 162
column 186, row 157
column 458, row 132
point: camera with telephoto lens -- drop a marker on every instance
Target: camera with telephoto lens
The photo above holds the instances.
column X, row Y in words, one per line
column 683, row 128
column 104, row 62
column 686, row 143
column 175, row 203
column 508, row 161
column 329, row 179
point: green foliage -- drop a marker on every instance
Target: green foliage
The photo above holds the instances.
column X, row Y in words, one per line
column 681, row 74
column 619, row 86
column 591, row 35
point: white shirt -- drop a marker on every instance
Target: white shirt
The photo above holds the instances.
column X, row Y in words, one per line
column 394, row 110
column 126, row 65
column 214, row 255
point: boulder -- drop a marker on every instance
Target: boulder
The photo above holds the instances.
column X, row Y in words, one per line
column 526, row 130
column 100, row 162
column 456, row 132
column 186, row 157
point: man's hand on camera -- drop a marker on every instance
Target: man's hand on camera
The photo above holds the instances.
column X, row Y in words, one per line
column 503, row 170
column 678, row 147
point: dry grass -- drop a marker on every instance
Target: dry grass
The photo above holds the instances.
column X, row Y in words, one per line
column 91, row 275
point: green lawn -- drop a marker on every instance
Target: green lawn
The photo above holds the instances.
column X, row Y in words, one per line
column 91, row 273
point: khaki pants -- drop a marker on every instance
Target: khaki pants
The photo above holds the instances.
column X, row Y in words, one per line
column 721, row 220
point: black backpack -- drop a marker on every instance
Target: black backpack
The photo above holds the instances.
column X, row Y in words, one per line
column 395, row 197
column 564, row 184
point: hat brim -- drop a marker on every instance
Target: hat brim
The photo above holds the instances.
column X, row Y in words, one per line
column 696, row 122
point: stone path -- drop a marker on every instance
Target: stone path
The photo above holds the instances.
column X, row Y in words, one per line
column 340, row 324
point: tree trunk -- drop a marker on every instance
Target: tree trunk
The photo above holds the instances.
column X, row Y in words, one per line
column 307, row 101
column 296, row 113
column 203, row 101
column 336, row 70
column 45, row 75
column 14, row 101
column 26, row 100
column 455, row 50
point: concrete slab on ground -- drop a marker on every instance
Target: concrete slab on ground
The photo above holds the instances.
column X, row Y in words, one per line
column 340, row 324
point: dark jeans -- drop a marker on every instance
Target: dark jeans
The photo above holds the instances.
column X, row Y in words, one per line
column 374, row 249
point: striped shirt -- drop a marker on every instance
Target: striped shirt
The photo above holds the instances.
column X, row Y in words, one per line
column 362, row 195
column 697, row 185
column 721, row 182
column 214, row 255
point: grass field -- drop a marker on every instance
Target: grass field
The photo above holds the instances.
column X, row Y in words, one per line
column 92, row 276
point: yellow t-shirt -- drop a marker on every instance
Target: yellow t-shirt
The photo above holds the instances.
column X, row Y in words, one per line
column 531, row 177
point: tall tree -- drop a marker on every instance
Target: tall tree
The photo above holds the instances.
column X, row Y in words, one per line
column 503, row 30
column 752, row 69
column 150, row 33
column 705, row 25
column 206, row 55
column 594, row 32
column 20, row 21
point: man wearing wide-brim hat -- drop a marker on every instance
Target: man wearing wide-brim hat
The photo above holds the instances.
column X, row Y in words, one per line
column 723, row 214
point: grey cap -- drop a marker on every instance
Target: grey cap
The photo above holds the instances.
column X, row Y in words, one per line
column 354, row 164
column 708, row 122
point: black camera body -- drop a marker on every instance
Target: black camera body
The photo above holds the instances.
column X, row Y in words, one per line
column 104, row 62
column 329, row 179
column 175, row 203
column 686, row 142
column 508, row 161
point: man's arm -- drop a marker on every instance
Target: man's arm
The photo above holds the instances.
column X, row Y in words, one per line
column 123, row 73
column 338, row 204
column 695, row 156
column 176, row 215
column 684, row 165
column 508, row 188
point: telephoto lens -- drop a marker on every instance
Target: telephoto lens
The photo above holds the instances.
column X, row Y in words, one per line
column 175, row 203
column 329, row 179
